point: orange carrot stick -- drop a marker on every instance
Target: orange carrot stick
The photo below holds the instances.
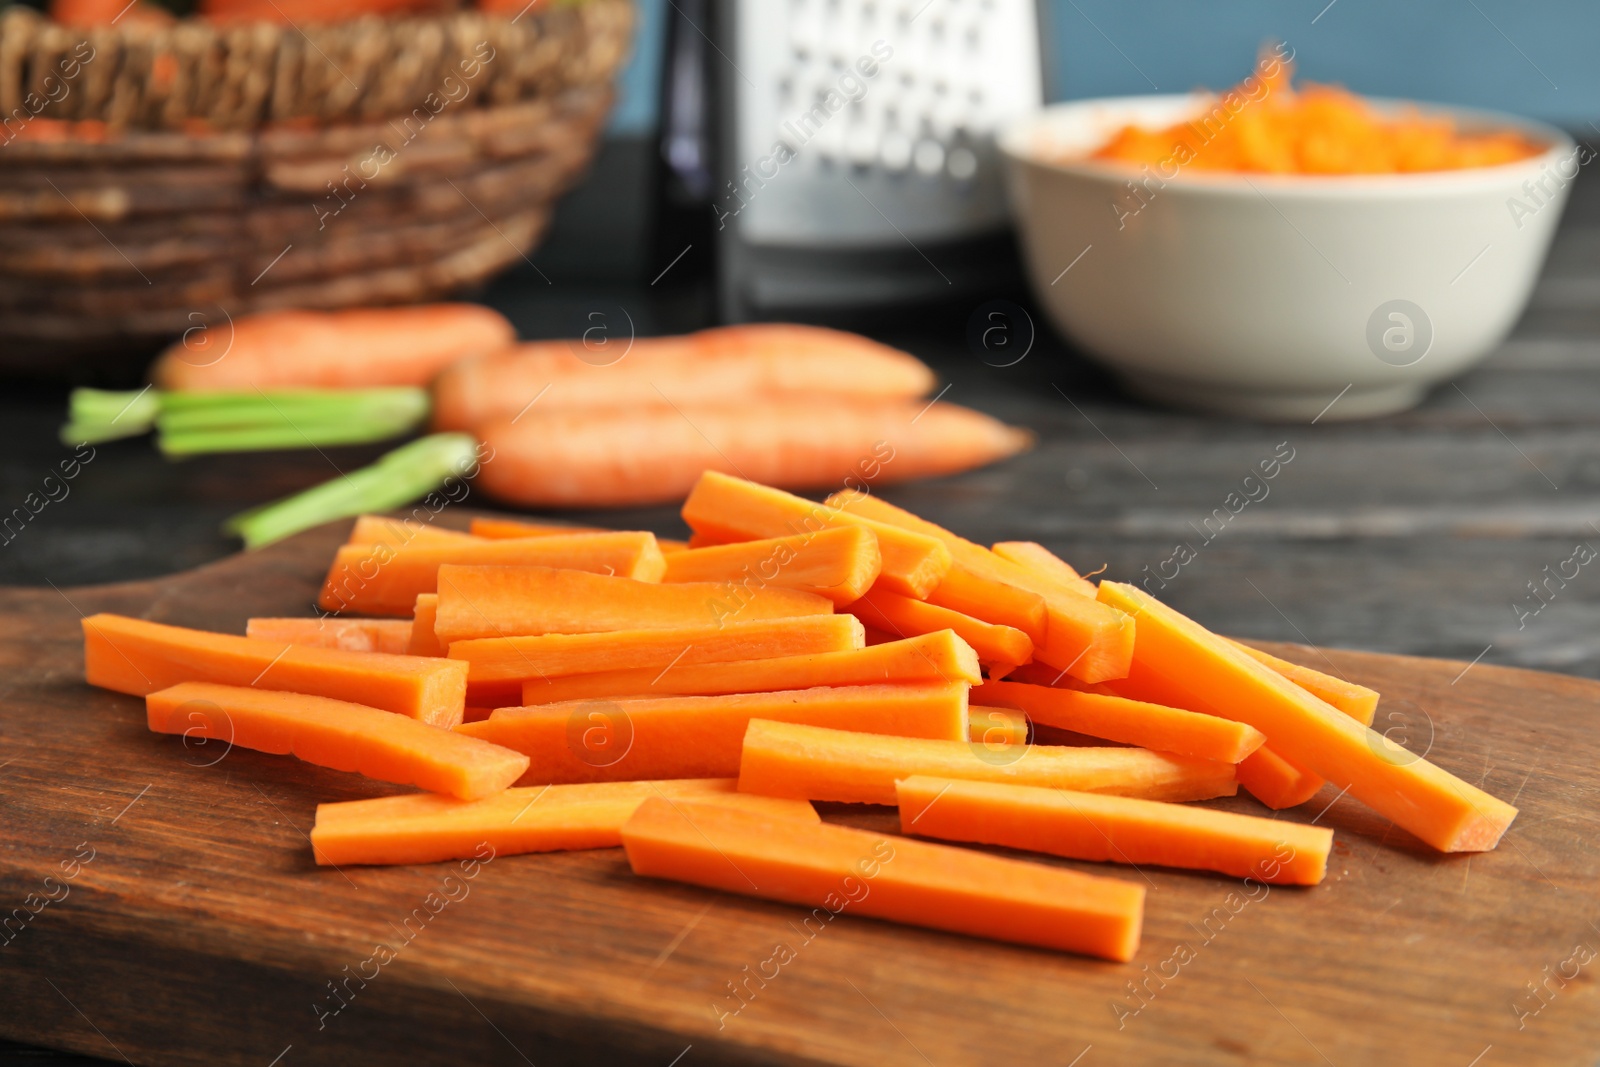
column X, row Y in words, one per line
column 360, row 347
column 352, row 635
column 337, row 734
column 519, row 659
column 1434, row 805
column 832, row 869
column 935, row 657
column 139, row 657
column 1275, row 781
column 726, row 509
column 380, row 580
column 1089, row 644
column 382, row 530
column 424, row 642
column 700, row 737
column 506, row 529
column 517, row 601
column 840, row 564
column 1356, row 701
column 1110, row 829
column 1000, row 648
column 811, row 762
column 1133, row 722
column 729, row 365
column 1045, row 563
column 628, row 457
column 423, row 828
column 994, row 727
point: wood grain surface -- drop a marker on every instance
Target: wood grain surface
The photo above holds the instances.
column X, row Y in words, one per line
column 200, row 931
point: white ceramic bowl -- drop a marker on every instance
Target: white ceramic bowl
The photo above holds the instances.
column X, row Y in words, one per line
column 1269, row 295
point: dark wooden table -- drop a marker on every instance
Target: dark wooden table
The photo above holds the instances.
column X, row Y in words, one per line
column 1418, row 533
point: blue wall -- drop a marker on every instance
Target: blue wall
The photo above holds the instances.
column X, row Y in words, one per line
column 1534, row 58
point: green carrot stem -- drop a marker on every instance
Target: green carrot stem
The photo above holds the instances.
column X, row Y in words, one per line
column 95, row 415
column 406, row 474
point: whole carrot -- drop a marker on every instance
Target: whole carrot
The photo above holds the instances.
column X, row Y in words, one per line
column 708, row 367
column 654, row 455
column 358, row 348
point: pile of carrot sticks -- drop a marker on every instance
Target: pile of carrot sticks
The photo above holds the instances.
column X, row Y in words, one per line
column 551, row 687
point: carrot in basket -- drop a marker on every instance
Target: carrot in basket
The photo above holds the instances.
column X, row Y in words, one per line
column 1045, row 563
column 337, row 734
column 1111, row 829
column 1133, row 722
column 1000, row 648
column 1087, row 643
column 832, row 869
column 731, row 364
column 518, row 659
column 516, row 601
column 633, row 456
column 138, row 657
column 87, row 14
column 840, row 563
column 360, row 347
column 727, row 509
column 1213, row 675
column 380, row 580
column 424, row 642
column 935, row 657
column 383, row 530
column 1356, row 701
column 812, row 762
column 352, row 635
column 700, row 736
column 424, row 828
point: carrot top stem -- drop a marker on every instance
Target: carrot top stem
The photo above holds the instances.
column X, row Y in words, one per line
column 95, row 415
column 409, row 472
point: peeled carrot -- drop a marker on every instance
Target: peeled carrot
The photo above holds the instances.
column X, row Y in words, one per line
column 1000, row 648
column 337, row 734
column 423, row 641
column 139, row 657
column 623, row 457
column 1111, row 829
column 516, row 601
column 1275, row 781
column 1356, row 701
column 996, row 726
column 504, row 529
column 732, row 364
column 935, row 657
column 1087, row 643
column 840, row 564
column 700, row 736
column 382, row 530
column 728, row 509
column 1045, row 563
column 380, row 580
column 811, row 762
column 331, row 349
column 352, row 635
column 832, row 869
column 1133, row 722
column 423, row 828
column 1174, row 653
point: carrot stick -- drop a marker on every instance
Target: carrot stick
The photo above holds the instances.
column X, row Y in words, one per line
column 337, row 734
column 1087, row 643
column 1045, row 563
column 332, row 349
column 1416, row 795
column 422, row 828
column 630, row 457
column 352, row 635
column 729, row 509
column 1133, row 722
column 1275, row 781
column 700, row 736
column 1000, row 648
column 1356, row 701
column 424, row 642
column 832, row 868
column 810, row 762
column 380, row 580
column 506, row 529
column 732, row 364
column 383, row 530
column 996, row 726
column 935, row 657
column 1110, row 829
column 840, row 564
column 516, row 601
column 139, row 657
column 519, row 659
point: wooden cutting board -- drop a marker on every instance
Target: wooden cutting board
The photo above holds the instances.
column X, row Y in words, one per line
column 195, row 929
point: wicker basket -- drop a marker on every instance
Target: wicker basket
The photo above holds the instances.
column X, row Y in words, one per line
column 225, row 170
